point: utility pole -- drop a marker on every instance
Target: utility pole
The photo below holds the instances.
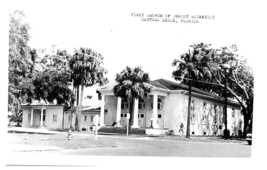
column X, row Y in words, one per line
column 189, row 108
column 226, row 131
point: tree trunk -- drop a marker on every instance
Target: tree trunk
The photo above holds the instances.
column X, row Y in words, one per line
column 72, row 112
column 80, row 107
column 77, row 109
column 131, row 106
column 189, row 110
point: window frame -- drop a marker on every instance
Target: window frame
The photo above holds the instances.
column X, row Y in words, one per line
column 29, row 117
column 159, row 106
column 141, row 104
column 54, row 118
column 124, row 104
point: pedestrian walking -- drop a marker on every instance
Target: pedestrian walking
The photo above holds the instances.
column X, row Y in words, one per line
column 181, row 130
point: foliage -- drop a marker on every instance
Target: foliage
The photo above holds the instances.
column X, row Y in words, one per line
column 54, row 80
column 86, row 67
column 132, row 85
column 20, row 88
column 208, row 66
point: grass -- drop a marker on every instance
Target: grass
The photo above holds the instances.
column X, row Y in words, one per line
column 78, row 142
column 202, row 139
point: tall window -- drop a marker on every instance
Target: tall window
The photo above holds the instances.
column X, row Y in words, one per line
column 85, row 118
column 54, row 118
column 29, row 116
column 44, row 111
column 192, row 114
column 124, row 104
column 69, row 117
column 160, row 104
column 92, row 118
column 141, row 104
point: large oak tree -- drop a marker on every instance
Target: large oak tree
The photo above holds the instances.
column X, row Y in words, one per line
column 240, row 76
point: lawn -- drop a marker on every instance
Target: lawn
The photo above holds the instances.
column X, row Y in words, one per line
column 60, row 140
column 210, row 139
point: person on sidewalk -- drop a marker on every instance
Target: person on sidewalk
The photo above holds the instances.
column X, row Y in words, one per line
column 181, row 130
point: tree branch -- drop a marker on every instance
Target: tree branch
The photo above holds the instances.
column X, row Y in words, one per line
column 230, row 90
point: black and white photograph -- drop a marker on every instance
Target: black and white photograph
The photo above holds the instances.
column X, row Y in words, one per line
column 117, row 84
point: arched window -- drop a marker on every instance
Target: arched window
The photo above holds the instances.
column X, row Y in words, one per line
column 160, row 104
column 124, row 104
column 141, row 104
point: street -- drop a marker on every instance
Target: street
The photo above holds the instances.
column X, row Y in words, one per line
column 150, row 147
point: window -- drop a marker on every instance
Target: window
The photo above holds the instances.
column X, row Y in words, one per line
column 124, row 104
column 193, row 118
column 29, row 116
column 142, row 115
column 69, row 117
column 54, row 118
column 44, row 111
column 192, row 108
column 141, row 104
column 92, row 118
column 121, row 115
column 160, row 104
column 159, row 115
column 85, row 118
column 233, row 112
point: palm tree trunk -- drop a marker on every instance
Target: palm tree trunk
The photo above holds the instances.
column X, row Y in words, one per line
column 80, row 108
column 131, row 106
column 77, row 109
column 189, row 109
column 72, row 112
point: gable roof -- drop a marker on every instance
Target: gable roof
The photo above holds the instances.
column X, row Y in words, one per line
column 178, row 86
column 201, row 93
column 169, row 86
column 41, row 103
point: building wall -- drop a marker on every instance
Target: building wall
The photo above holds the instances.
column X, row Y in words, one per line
column 147, row 113
column 50, row 111
column 204, row 115
column 90, row 120
column 58, row 111
column 25, row 121
column 111, row 107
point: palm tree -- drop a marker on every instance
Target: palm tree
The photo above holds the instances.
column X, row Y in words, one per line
column 86, row 70
column 187, row 70
column 132, row 85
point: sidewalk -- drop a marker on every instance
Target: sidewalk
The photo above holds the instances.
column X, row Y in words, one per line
column 31, row 148
column 30, row 130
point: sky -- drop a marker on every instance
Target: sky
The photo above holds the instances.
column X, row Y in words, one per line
column 108, row 28
column 123, row 40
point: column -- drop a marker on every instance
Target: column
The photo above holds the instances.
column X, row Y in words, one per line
column 102, row 111
column 155, row 111
column 135, row 116
column 118, row 116
column 41, row 124
column 31, row 117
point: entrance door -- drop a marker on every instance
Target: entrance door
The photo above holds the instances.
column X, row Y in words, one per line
column 44, row 116
column 160, row 120
column 141, row 120
column 124, row 119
